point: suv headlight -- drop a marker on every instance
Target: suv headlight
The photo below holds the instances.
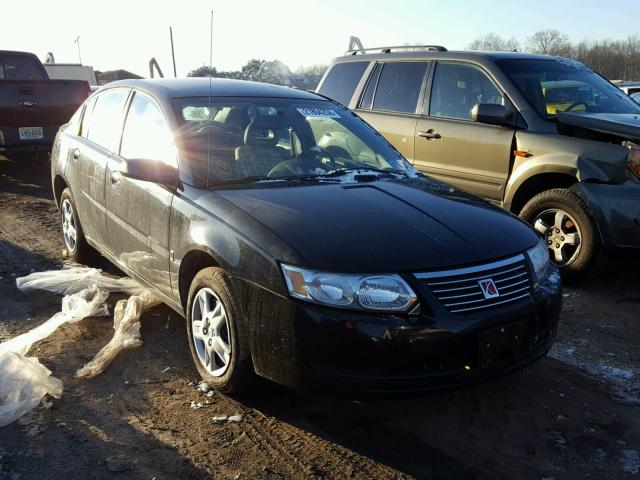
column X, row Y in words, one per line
column 539, row 257
column 388, row 293
column 633, row 160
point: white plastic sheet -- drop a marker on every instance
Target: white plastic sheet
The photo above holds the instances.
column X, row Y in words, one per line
column 126, row 323
column 74, row 279
column 85, row 303
column 23, row 383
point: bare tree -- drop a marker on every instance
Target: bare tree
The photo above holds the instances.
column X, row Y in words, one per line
column 494, row 43
column 549, row 42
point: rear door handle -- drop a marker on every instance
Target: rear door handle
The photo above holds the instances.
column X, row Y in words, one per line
column 116, row 176
column 430, row 135
column 76, row 153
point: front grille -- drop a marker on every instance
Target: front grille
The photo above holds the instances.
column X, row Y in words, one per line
column 459, row 290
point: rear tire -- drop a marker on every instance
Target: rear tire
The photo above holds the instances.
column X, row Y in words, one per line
column 73, row 237
column 218, row 333
column 564, row 221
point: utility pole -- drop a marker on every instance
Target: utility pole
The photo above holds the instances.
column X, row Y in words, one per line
column 77, row 42
column 173, row 55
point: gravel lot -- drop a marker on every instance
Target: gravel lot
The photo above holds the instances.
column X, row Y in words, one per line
column 573, row 415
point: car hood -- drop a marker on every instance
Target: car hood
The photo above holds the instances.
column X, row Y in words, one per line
column 625, row 125
column 383, row 226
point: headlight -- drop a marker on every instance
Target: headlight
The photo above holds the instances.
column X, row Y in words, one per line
column 539, row 256
column 633, row 160
column 369, row 292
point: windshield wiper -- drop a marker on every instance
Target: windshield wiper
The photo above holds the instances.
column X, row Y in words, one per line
column 365, row 170
column 249, row 179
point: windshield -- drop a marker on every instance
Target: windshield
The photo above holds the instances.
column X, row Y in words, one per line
column 251, row 139
column 563, row 85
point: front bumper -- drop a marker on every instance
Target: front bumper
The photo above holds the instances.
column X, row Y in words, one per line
column 616, row 209
column 364, row 352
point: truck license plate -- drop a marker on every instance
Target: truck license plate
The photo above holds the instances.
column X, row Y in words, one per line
column 30, row 133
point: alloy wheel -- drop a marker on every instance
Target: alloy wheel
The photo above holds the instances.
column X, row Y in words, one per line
column 69, row 228
column 562, row 234
column 210, row 332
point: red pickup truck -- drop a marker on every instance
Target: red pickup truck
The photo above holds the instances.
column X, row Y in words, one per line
column 33, row 107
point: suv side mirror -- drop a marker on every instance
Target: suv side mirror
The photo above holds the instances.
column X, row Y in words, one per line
column 153, row 171
column 490, row 113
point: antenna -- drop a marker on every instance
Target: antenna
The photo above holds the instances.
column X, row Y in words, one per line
column 77, row 42
column 210, row 88
column 173, row 54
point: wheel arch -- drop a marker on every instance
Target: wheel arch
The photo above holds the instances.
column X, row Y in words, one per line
column 530, row 187
column 59, row 185
column 194, row 261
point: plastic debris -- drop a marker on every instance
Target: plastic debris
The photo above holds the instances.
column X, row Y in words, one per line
column 23, row 383
column 126, row 323
column 227, row 418
column 85, row 303
column 74, row 279
column 203, row 387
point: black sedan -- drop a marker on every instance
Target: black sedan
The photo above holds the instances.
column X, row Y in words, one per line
column 297, row 243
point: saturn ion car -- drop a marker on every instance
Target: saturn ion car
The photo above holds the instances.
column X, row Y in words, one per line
column 297, row 242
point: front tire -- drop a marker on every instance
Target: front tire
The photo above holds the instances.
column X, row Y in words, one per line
column 73, row 237
column 563, row 220
column 218, row 333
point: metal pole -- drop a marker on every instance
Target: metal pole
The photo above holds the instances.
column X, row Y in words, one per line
column 77, row 42
column 173, row 55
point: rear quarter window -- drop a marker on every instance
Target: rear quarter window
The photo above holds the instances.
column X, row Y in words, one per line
column 342, row 80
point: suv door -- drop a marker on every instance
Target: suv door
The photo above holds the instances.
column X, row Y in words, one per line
column 450, row 146
column 138, row 211
column 392, row 100
column 89, row 152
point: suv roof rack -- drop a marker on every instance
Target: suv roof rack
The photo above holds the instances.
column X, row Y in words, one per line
column 356, row 47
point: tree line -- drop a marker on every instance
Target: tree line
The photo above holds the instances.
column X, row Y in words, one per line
column 273, row 71
column 614, row 59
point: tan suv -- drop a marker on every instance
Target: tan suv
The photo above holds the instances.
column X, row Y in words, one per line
column 544, row 137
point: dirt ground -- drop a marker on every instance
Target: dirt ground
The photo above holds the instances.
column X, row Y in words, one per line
column 573, row 415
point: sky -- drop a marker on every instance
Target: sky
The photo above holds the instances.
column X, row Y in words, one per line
column 126, row 34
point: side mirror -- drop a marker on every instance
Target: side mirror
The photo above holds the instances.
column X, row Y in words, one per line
column 491, row 114
column 153, row 171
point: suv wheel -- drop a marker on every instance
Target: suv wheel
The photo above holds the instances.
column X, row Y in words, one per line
column 562, row 218
column 218, row 333
column 72, row 235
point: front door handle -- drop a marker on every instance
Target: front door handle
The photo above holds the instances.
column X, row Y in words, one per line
column 430, row 135
column 116, row 176
column 76, row 153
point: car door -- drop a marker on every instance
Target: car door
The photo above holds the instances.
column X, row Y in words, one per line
column 138, row 211
column 89, row 153
column 391, row 101
column 449, row 145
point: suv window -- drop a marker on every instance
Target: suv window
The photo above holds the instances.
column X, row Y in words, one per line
column 399, row 86
column 342, row 80
column 367, row 97
column 106, row 117
column 457, row 88
column 146, row 133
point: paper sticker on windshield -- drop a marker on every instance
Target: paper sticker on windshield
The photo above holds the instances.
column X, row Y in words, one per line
column 311, row 112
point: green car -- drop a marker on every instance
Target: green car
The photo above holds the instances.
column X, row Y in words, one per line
column 544, row 137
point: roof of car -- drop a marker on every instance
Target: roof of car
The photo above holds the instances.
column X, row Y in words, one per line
column 220, row 87
column 461, row 54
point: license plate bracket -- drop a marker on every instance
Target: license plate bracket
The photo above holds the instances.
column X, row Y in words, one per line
column 503, row 343
column 31, row 133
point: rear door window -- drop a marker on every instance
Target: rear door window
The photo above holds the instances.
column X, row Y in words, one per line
column 342, row 80
column 106, row 120
column 457, row 88
column 399, row 86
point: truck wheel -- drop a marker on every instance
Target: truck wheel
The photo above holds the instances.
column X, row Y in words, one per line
column 72, row 235
column 218, row 332
column 563, row 220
